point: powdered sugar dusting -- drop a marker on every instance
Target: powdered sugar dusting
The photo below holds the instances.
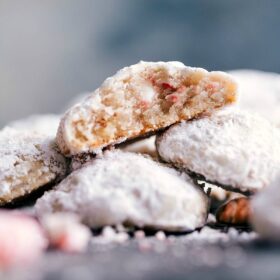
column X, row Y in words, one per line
column 232, row 148
column 20, row 153
column 120, row 187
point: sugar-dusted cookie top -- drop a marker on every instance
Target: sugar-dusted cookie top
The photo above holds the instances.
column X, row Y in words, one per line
column 127, row 188
column 142, row 99
column 28, row 161
column 233, row 149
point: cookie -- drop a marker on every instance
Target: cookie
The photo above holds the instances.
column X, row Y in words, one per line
column 259, row 93
column 265, row 208
column 140, row 100
column 42, row 124
column 28, row 161
column 126, row 188
column 234, row 149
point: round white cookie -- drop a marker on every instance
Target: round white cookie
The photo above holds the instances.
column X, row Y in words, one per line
column 259, row 92
column 265, row 211
column 233, row 149
column 140, row 100
column 28, row 161
column 126, row 188
column 42, row 124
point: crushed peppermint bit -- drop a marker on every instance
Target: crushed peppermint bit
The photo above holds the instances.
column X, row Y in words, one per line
column 22, row 240
column 110, row 235
column 160, row 235
column 65, row 232
column 172, row 98
column 139, row 234
column 168, row 86
column 144, row 245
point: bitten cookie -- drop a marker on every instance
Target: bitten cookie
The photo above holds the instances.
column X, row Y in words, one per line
column 28, row 161
column 126, row 188
column 234, row 149
column 265, row 208
column 139, row 100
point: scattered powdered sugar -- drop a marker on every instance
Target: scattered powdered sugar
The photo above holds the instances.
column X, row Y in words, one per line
column 109, row 236
column 65, row 232
column 234, row 149
column 120, row 187
column 19, row 151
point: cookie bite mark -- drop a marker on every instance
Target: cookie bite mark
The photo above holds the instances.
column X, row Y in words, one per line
column 142, row 99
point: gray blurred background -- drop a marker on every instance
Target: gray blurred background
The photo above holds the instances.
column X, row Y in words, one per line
column 50, row 50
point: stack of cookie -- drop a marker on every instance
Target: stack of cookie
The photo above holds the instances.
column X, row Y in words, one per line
column 99, row 170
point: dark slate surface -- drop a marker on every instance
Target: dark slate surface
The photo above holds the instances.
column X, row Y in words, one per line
column 174, row 258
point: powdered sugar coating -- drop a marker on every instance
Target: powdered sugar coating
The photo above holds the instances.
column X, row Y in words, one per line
column 141, row 99
column 235, row 149
column 27, row 161
column 42, row 124
column 120, row 187
column 259, row 93
column 266, row 211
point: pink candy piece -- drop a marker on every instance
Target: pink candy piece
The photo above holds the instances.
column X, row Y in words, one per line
column 21, row 239
column 172, row 98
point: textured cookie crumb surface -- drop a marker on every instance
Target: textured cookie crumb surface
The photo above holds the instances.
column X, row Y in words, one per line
column 142, row 99
column 126, row 188
column 28, row 161
column 235, row 149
